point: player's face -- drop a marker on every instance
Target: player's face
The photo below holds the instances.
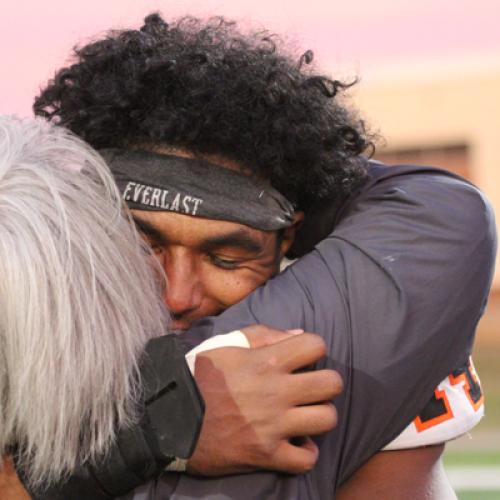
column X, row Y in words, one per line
column 210, row 264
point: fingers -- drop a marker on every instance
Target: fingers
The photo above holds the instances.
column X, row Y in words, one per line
column 290, row 349
column 296, row 351
column 262, row 335
column 296, row 459
column 314, row 387
column 310, row 420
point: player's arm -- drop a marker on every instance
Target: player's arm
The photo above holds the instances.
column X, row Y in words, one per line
column 415, row 473
column 413, row 467
column 255, row 401
column 396, row 290
column 435, row 261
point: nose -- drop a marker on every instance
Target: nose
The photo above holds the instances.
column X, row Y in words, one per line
column 183, row 295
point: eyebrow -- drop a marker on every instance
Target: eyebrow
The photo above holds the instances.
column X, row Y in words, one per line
column 149, row 230
column 235, row 239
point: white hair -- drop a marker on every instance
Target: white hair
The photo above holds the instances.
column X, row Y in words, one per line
column 79, row 298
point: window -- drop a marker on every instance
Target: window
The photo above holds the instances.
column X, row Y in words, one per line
column 454, row 158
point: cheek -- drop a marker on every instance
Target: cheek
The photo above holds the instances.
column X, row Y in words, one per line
column 228, row 287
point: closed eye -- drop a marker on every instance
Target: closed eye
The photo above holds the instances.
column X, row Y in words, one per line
column 224, row 263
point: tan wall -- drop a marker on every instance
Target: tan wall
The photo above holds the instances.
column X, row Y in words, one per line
column 463, row 109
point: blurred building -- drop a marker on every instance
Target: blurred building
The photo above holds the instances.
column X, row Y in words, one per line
column 447, row 116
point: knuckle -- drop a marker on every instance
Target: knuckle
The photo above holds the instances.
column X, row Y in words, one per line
column 261, row 452
column 267, row 451
column 271, row 363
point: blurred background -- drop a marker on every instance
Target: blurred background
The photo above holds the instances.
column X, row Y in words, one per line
column 429, row 76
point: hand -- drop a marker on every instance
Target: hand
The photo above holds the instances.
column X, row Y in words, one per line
column 255, row 404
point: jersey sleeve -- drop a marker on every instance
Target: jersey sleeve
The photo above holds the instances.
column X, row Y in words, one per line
column 396, row 291
column 454, row 409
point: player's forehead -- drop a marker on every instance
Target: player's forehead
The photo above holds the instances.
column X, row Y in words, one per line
column 192, row 229
column 191, row 197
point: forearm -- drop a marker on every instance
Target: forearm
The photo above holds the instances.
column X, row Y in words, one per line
column 416, row 473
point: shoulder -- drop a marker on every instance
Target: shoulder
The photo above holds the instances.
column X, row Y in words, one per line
column 426, row 202
column 427, row 187
column 423, row 232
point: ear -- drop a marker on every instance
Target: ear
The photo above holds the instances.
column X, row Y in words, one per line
column 289, row 233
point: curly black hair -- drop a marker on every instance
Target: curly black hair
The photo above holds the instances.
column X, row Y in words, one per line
column 206, row 87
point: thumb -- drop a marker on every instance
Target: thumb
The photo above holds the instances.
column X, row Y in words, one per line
column 263, row 335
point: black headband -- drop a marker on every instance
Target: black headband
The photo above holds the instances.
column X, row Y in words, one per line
column 190, row 186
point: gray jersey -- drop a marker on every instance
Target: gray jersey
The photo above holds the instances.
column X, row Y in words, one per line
column 396, row 290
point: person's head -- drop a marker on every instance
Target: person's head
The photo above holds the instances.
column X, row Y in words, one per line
column 78, row 301
column 209, row 264
column 217, row 233
column 205, row 89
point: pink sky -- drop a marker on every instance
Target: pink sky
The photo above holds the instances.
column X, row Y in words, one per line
column 36, row 36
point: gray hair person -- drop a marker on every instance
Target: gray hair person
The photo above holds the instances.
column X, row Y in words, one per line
column 71, row 333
